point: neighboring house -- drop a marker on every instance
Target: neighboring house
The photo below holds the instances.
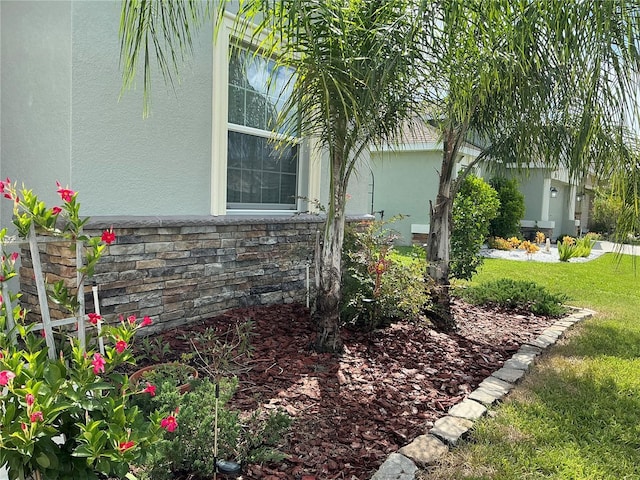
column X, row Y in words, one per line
column 404, row 180
column 555, row 205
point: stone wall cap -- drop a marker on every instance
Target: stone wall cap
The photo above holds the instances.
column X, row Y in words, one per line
column 166, row 221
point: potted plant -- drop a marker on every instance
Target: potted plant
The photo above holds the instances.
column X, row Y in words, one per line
column 177, row 374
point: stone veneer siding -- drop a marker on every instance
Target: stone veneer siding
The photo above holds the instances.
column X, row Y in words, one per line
column 182, row 269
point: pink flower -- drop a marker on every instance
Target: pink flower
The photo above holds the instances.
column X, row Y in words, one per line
column 108, row 236
column 6, row 376
column 93, row 318
column 121, row 346
column 65, row 193
column 24, row 427
column 151, row 390
column 131, row 319
column 126, row 445
column 146, row 321
column 169, row 423
column 55, row 210
column 30, row 399
column 98, row 363
column 36, row 417
column 14, row 256
column 1, row 300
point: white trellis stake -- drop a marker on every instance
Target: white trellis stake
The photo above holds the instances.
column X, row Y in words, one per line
column 80, row 295
column 42, row 292
column 9, row 309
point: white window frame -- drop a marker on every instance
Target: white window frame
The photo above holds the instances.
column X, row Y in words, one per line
column 309, row 164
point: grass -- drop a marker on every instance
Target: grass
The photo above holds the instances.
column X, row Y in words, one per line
column 577, row 415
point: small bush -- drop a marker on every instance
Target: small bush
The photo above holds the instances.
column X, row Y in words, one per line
column 517, row 295
column 511, row 211
column 474, row 206
column 570, row 247
column 499, row 243
column 190, row 448
column 379, row 284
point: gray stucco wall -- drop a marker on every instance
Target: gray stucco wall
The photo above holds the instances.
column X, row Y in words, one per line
column 35, row 95
column 62, row 118
column 532, row 186
column 131, row 165
column 404, row 184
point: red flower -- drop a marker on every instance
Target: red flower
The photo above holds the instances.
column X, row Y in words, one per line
column 131, row 319
column 98, row 363
column 146, row 321
column 24, row 427
column 108, row 236
column 30, row 399
column 1, row 299
column 6, row 376
column 94, row 317
column 126, row 445
column 36, row 417
column 65, row 193
column 56, row 210
column 169, row 423
column 151, row 390
column 121, row 346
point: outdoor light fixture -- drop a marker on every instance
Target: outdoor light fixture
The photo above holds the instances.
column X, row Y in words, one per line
column 554, row 192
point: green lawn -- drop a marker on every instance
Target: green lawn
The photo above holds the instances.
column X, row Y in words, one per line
column 577, row 415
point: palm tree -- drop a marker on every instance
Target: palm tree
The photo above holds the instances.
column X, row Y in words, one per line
column 357, row 74
column 544, row 81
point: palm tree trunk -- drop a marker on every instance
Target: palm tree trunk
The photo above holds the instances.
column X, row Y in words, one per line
column 327, row 313
column 438, row 246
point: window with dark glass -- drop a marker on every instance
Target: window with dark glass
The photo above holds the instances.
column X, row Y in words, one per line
column 261, row 173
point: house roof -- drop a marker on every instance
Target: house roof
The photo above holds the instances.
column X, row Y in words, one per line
column 421, row 136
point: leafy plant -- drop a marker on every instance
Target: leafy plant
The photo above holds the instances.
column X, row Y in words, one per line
column 380, row 285
column 175, row 374
column 217, row 353
column 153, row 349
column 570, row 247
column 507, row 222
column 499, row 243
column 81, row 400
column 474, row 206
column 191, row 447
column 516, row 294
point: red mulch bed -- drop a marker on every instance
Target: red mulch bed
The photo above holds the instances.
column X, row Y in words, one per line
column 350, row 412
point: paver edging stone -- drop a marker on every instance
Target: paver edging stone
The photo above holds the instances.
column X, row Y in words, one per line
column 426, row 450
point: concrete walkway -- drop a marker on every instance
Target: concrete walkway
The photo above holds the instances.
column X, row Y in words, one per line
column 447, row 431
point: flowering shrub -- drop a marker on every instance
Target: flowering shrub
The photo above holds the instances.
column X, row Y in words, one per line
column 70, row 416
column 540, row 237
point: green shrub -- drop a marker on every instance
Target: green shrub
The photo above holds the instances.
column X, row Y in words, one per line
column 189, row 449
column 474, row 206
column 379, row 284
column 606, row 210
column 517, row 295
column 507, row 223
